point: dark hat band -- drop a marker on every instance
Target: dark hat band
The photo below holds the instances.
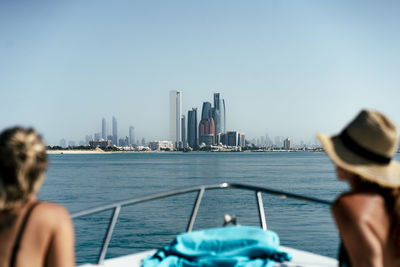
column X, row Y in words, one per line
column 351, row 144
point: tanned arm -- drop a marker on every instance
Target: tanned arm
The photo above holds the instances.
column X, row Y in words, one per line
column 61, row 251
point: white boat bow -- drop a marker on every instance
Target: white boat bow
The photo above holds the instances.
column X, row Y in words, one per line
column 300, row 258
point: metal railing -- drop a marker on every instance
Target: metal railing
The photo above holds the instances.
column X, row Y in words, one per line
column 116, row 207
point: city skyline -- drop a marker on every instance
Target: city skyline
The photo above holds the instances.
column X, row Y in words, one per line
column 184, row 135
column 290, row 69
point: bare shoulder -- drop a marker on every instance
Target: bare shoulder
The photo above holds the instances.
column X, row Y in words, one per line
column 52, row 213
column 54, row 208
column 355, row 206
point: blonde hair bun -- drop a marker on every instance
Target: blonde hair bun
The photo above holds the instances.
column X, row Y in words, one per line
column 23, row 162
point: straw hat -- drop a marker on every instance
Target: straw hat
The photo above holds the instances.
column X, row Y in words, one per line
column 366, row 147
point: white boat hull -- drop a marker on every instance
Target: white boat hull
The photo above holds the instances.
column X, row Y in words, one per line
column 300, row 259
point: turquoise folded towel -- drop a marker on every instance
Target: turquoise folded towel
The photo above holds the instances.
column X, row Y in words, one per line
column 226, row 246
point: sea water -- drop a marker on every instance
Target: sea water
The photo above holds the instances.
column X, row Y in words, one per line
column 81, row 181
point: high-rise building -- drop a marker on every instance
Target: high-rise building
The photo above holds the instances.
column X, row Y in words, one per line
column 232, row 138
column 206, row 112
column 218, row 114
column 131, row 135
column 207, row 131
column 192, row 128
column 124, row 141
column 103, row 129
column 287, row 144
column 268, row 140
column 278, row 141
column 175, row 116
column 223, row 117
column 183, row 134
column 114, row 131
column 242, row 140
column 206, row 125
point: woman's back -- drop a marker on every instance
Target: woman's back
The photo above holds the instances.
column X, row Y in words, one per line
column 47, row 239
column 32, row 234
column 364, row 226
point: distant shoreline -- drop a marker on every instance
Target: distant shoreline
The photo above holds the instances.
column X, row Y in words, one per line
column 72, row 151
column 100, row 151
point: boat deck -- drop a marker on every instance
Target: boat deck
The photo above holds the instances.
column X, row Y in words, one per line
column 300, row 259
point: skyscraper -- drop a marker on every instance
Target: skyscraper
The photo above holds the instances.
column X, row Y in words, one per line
column 206, row 125
column 131, row 135
column 103, row 129
column 183, row 134
column 287, row 144
column 192, row 128
column 206, row 112
column 232, row 138
column 207, row 131
column 114, row 131
column 223, row 117
column 175, row 116
column 218, row 114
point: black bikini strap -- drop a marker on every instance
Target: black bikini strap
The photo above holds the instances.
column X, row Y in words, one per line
column 17, row 242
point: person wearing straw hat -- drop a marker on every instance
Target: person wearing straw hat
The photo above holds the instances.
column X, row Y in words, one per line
column 368, row 216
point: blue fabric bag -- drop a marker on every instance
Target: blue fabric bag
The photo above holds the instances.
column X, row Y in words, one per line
column 227, row 246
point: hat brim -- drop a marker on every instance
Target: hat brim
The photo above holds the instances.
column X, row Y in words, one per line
column 386, row 175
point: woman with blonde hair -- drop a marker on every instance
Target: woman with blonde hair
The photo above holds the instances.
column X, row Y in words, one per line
column 368, row 216
column 32, row 233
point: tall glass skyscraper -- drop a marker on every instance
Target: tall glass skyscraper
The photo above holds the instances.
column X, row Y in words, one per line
column 175, row 116
column 103, row 129
column 206, row 111
column 114, row 131
column 218, row 114
column 131, row 135
column 206, row 125
column 207, row 131
column 192, row 128
column 183, row 133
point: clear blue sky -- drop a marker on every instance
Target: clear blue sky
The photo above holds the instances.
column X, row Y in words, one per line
column 284, row 67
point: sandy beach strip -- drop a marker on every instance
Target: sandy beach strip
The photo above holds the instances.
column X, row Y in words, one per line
column 73, row 151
